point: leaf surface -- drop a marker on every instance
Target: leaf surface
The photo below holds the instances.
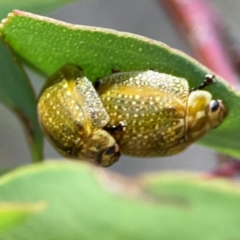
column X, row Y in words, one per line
column 84, row 202
column 17, row 94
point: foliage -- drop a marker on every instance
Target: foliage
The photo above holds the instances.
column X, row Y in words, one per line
column 78, row 201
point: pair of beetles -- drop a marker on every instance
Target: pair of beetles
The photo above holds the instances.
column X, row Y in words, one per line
column 141, row 113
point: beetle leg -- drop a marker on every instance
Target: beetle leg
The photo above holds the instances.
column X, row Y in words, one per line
column 79, row 67
column 112, row 129
column 97, row 84
column 115, row 70
column 209, row 79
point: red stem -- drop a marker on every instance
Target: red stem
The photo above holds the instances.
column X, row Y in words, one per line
column 205, row 32
column 200, row 24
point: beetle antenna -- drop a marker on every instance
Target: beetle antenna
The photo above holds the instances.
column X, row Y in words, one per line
column 209, row 79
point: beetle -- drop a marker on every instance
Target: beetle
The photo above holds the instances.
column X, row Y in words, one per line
column 160, row 114
column 72, row 117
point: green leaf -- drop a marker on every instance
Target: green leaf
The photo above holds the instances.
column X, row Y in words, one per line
column 12, row 214
column 30, row 5
column 17, row 94
column 88, row 203
column 48, row 44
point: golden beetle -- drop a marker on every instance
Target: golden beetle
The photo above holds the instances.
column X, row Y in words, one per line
column 142, row 113
column 72, row 116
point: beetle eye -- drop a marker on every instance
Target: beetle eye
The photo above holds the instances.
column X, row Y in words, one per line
column 110, row 151
column 214, row 105
column 113, row 149
column 108, row 156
